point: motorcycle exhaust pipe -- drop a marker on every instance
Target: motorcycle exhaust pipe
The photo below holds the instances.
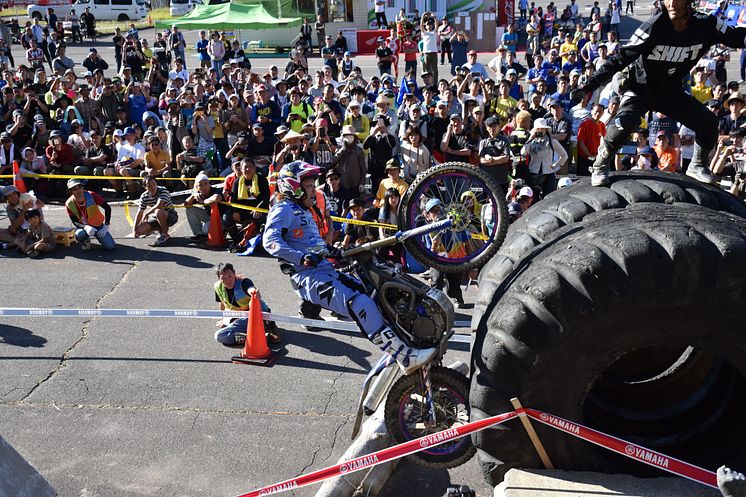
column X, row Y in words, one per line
column 380, row 388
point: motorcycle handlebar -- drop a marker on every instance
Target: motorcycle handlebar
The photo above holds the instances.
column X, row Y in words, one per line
column 399, row 237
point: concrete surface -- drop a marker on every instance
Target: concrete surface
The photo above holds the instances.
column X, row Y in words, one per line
column 18, row 478
column 557, row 483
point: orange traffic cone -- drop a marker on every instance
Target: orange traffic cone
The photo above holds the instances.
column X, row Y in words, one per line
column 17, row 178
column 255, row 351
column 272, row 179
column 150, row 21
column 215, row 236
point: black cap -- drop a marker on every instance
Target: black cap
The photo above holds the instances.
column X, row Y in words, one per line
column 714, row 102
column 356, row 202
column 492, row 120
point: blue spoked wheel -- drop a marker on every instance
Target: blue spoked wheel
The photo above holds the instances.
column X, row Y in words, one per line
column 407, row 412
column 474, row 202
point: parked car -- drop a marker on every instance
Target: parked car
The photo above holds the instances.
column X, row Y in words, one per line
column 181, row 7
column 103, row 10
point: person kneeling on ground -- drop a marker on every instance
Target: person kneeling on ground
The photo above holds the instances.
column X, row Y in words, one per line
column 199, row 218
column 39, row 238
column 84, row 209
column 234, row 294
column 155, row 213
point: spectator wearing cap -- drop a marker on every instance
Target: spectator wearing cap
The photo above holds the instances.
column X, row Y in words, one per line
column 296, row 111
column 93, row 61
column 130, row 160
column 668, row 157
column 20, row 131
column 384, row 56
column 98, row 154
column 357, row 120
column 611, row 110
column 198, row 217
column 541, row 151
column 590, row 134
column 381, row 145
column 393, row 180
column 329, row 54
column 475, row 67
column 646, row 159
column 60, row 155
column 349, row 161
column 35, row 55
column 265, row 111
column 84, row 210
column 456, row 144
column 109, row 101
column 157, row 160
column 733, row 120
column 357, row 233
column 494, row 153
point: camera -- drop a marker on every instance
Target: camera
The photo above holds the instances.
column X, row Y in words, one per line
column 462, row 491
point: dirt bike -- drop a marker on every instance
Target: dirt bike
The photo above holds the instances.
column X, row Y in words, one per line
column 433, row 398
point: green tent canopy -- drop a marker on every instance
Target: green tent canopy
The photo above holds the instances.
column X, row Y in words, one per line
column 231, row 15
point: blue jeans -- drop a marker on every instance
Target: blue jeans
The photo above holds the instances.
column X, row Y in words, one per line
column 227, row 335
column 217, row 65
column 106, row 241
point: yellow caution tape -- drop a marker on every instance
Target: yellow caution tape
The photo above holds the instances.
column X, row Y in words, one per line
column 78, row 176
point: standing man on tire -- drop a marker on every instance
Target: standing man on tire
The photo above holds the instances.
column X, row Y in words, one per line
column 659, row 54
column 291, row 235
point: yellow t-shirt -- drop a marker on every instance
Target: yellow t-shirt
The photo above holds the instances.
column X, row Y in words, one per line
column 702, row 92
column 565, row 48
column 157, row 162
column 387, row 183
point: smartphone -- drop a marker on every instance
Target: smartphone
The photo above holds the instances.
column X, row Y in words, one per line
column 322, row 132
column 382, row 123
column 727, row 143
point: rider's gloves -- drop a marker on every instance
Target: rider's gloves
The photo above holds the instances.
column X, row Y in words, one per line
column 311, row 260
column 333, row 252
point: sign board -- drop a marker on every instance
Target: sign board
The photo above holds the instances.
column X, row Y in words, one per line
column 351, row 35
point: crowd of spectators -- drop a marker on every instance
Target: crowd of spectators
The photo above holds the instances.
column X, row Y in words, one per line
column 371, row 134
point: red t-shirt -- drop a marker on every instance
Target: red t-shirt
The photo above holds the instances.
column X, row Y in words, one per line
column 590, row 133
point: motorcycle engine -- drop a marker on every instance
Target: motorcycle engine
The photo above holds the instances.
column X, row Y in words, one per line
column 422, row 314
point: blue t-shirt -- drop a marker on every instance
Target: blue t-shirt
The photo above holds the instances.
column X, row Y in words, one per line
column 550, row 66
column 564, row 100
column 534, row 73
column 569, row 66
column 510, row 37
column 459, row 52
column 137, row 105
column 201, row 47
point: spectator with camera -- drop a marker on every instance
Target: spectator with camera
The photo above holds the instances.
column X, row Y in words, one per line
column 729, row 160
column 189, row 162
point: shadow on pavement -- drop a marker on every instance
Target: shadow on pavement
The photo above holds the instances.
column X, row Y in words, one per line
column 20, row 337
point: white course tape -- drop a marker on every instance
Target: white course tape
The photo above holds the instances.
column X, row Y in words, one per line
column 199, row 314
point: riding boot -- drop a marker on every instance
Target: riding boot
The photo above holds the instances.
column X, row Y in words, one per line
column 408, row 358
column 699, row 167
column 600, row 173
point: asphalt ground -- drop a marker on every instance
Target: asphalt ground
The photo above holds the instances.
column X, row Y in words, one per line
column 153, row 407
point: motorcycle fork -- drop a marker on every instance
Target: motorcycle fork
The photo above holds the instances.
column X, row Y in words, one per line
column 427, row 385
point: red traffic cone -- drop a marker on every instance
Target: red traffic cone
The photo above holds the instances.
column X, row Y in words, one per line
column 215, row 236
column 150, row 20
column 17, row 178
column 255, row 351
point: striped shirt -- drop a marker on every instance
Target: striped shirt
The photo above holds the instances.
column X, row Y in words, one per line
column 147, row 201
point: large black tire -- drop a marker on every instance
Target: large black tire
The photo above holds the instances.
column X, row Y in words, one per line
column 570, row 205
column 411, row 203
column 618, row 281
column 446, row 384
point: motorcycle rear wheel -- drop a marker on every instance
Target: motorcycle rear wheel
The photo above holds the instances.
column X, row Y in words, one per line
column 458, row 186
column 406, row 408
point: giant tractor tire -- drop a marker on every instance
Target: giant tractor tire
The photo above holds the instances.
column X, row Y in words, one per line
column 619, row 308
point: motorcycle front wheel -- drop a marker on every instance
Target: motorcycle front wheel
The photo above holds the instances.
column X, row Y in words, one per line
column 407, row 412
column 475, row 203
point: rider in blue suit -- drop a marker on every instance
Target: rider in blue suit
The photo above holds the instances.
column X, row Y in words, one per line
column 292, row 236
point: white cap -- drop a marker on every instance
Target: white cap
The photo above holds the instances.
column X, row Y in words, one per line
column 564, row 182
column 526, row 191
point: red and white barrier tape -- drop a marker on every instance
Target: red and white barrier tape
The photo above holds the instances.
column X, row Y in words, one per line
column 382, row 456
column 627, row 449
